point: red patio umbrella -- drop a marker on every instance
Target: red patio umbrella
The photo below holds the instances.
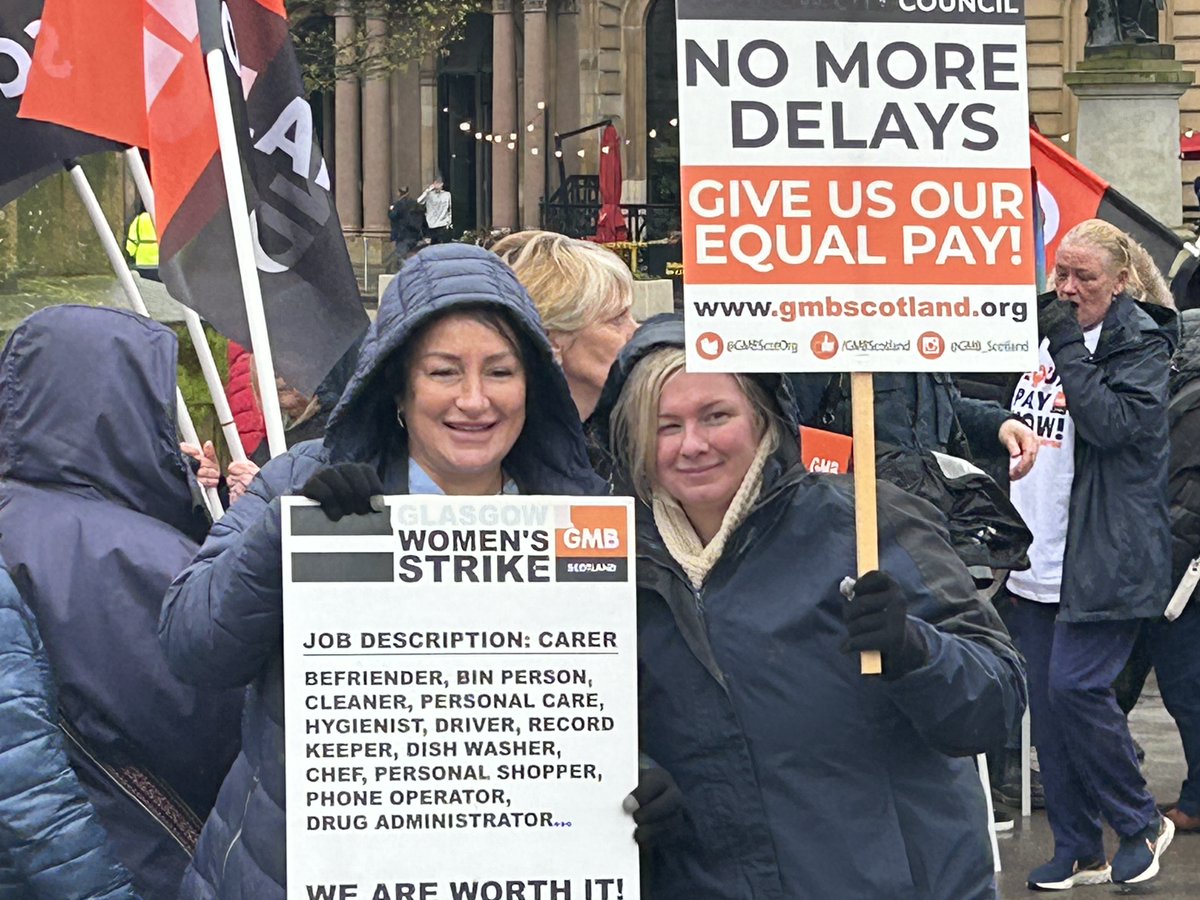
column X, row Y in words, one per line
column 610, row 224
column 1189, row 145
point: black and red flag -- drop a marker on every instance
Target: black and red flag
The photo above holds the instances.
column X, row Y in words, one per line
column 1071, row 193
column 29, row 151
column 154, row 50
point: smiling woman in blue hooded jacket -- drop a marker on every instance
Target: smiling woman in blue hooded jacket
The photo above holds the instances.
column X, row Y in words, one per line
column 455, row 392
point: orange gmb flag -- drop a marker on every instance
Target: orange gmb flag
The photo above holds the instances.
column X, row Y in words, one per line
column 131, row 71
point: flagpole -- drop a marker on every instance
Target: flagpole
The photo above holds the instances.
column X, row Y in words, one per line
column 239, row 213
column 208, row 365
column 113, row 251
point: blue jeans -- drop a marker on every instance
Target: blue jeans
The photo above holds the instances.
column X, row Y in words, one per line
column 1089, row 769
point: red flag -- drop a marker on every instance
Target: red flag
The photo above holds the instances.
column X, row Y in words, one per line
column 131, row 71
column 98, row 92
column 134, row 70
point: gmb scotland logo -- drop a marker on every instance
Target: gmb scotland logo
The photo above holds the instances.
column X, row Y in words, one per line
column 591, row 543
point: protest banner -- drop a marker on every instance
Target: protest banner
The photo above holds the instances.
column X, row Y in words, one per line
column 856, row 196
column 856, row 187
column 461, row 699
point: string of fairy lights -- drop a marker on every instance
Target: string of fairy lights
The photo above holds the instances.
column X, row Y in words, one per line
column 509, row 141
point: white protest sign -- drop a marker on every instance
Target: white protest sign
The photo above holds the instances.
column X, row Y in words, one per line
column 855, row 185
column 461, row 700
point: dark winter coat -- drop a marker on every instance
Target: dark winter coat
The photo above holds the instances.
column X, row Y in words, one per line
column 1183, row 483
column 52, row 844
column 222, row 621
column 1117, row 562
column 97, row 515
column 913, row 411
column 803, row 779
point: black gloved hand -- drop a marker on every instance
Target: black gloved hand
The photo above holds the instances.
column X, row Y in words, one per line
column 657, row 806
column 877, row 619
column 344, row 489
column 1057, row 321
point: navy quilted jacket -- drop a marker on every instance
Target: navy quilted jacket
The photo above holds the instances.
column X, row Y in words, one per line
column 804, row 780
column 52, row 844
column 97, row 515
column 222, row 622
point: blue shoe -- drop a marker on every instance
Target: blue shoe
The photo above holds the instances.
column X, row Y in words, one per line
column 1137, row 858
column 1064, row 873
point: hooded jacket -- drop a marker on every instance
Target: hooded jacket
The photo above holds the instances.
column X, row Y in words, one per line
column 222, row 620
column 1183, row 485
column 97, row 515
column 802, row 778
column 1117, row 562
column 51, row 842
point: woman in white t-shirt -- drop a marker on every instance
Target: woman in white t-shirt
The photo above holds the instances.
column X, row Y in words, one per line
column 1100, row 560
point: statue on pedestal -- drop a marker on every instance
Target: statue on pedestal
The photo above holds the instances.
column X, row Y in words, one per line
column 1115, row 22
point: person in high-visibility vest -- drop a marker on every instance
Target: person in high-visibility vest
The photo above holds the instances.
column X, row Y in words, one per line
column 141, row 245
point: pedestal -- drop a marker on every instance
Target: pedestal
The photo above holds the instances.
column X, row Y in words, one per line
column 1128, row 127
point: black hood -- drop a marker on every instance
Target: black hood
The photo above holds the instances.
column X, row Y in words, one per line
column 550, row 456
column 667, row 330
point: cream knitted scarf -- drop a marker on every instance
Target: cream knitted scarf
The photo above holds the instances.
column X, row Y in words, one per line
column 681, row 539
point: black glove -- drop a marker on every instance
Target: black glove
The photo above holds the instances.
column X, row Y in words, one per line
column 1057, row 321
column 659, row 812
column 344, row 489
column 877, row 619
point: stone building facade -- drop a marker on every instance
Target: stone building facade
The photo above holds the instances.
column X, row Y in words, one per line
column 484, row 114
column 1056, row 33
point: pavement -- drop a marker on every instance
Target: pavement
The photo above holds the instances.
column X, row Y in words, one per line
column 1029, row 844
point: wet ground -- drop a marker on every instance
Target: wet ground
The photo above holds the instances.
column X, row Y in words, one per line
column 1029, row 844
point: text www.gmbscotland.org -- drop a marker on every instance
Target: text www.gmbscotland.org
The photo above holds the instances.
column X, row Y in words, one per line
column 901, row 307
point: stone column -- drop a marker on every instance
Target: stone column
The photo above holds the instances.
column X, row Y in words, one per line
column 376, row 131
column 533, row 165
column 504, row 115
column 1128, row 126
column 347, row 144
column 565, row 112
column 406, row 122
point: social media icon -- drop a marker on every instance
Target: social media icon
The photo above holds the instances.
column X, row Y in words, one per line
column 710, row 345
column 824, row 345
column 931, row 345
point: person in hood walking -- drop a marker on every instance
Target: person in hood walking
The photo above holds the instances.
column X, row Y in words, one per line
column 98, row 512
column 800, row 777
column 1101, row 553
column 456, row 392
column 51, row 842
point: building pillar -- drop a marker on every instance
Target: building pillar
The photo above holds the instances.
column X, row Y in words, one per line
column 406, row 120
column 533, row 165
column 504, row 116
column 565, row 113
column 376, row 129
column 347, row 143
column 1128, row 128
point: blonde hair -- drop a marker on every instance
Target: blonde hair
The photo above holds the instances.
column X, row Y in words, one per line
column 1145, row 282
column 573, row 283
column 633, row 437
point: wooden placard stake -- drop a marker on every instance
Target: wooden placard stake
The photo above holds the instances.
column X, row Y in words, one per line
column 866, row 524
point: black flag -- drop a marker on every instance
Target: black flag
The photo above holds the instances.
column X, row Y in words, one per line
column 310, row 295
column 29, row 150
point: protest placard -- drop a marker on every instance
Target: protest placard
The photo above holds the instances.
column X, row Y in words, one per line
column 461, row 700
column 855, row 185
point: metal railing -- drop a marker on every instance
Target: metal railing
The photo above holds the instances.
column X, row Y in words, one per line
column 646, row 221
